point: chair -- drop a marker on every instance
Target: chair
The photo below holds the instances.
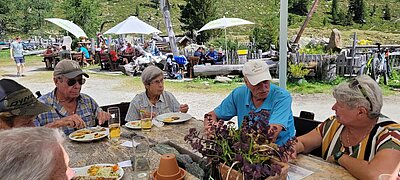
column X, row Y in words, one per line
column 105, row 61
column 303, row 126
column 123, row 110
column 193, row 60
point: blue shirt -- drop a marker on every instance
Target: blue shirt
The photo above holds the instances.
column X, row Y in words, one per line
column 85, row 52
column 86, row 108
column 17, row 49
column 212, row 54
column 278, row 103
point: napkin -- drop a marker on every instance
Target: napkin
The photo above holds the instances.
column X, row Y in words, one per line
column 127, row 163
column 157, row 123
column 130, row 144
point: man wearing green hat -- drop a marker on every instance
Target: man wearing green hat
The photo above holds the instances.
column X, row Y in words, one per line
column 18, row 106
column 72, row 109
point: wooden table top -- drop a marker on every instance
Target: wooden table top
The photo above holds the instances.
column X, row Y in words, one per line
column 101, row 151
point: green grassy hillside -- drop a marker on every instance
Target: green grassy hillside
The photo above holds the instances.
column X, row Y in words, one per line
column 256, row 11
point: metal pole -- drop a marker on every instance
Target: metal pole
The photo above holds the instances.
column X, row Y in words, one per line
column 226, row 49
column 283, row 43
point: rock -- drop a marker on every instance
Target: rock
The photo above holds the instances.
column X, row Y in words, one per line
column 335, row 41
column 164, row 149
column 221, row 79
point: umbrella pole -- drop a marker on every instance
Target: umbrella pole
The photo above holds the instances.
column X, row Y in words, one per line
column 226, row 49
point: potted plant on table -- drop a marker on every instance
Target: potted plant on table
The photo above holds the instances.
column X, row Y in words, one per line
column 244, row 153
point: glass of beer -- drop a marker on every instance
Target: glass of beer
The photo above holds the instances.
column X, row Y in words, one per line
column 114, row 124
column 145, row 121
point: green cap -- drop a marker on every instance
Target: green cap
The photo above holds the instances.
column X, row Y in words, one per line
column 69, row 69
column 18, row 100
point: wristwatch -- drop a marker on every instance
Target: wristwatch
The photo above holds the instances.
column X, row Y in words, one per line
column 337, row 156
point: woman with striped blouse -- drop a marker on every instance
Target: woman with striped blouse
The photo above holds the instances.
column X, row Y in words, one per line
column 358, row 138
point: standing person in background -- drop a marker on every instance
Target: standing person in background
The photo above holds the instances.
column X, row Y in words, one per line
column 85, row 52
column 16, row 54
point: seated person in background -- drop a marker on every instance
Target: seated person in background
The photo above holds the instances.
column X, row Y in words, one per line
column 258, row 94
column 103, row 49
column 129, row 49
column 200, row 53
column 154, row 99
column 33, row 153
column 359, row 138
column 48, row 56
column 211, row 56
column 146, row 47
column 220, row 58
column 72, row 109
column 113, row 54
column 14, row 114
column 85, row 52
column 64, row 53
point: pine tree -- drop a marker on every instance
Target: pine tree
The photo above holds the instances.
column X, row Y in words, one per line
column 334, row 11
column 298, row 7
column 386, row 13
column 359, row 11
column 195, row 14
column 373, row 11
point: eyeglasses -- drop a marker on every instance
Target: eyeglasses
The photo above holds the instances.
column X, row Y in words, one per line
column 157, row 81
column 72, row 82
column 354, row 83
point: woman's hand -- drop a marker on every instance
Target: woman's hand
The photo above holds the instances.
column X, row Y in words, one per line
column 184, row 108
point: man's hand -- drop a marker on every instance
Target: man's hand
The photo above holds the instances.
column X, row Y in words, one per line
column 12, row 58
column 184, row 108
column 103, row 116
column 74, row 121
column 276, row 129
column 210, row 119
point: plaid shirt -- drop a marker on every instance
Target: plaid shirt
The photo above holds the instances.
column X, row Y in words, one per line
column 86, row 108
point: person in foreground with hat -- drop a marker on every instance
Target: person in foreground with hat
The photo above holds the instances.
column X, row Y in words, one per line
column 258, row 94
column 33, row 153
column 18, row 106
column 72, row 109
column 359, row 138
column 154, row 101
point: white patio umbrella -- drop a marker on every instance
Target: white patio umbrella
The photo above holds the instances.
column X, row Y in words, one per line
column 132, row 25
column 69, row 26
column 223, row 23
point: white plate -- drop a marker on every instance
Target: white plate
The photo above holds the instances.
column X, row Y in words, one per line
column 91, row 136
column 182, row 117
column 133, row 125
column 82, row 171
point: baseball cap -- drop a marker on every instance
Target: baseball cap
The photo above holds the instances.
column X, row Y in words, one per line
column 18, row 100
column 69, row 69
column 256, row 71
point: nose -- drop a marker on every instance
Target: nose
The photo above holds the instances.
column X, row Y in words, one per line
column 334, row 106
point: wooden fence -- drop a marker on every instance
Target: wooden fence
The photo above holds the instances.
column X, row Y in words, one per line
column 232, row 56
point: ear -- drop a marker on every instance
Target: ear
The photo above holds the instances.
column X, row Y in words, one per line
column 362, row 110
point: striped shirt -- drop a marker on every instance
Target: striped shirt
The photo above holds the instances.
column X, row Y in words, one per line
column 165, row 104
column 384, row 135
column 86, row 108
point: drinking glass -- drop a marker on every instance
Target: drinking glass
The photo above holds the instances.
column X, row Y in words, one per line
column 145, row 122
column 114, row 124
column 141, row 160
column 387, row 177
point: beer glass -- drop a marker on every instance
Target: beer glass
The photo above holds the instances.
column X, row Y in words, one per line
column 145, row 122
column 141, row 161
column 114, row 124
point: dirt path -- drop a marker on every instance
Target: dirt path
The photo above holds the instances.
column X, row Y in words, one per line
column 108, row 91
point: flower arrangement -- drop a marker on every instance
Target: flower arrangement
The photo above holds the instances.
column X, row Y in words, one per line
column 249, row 148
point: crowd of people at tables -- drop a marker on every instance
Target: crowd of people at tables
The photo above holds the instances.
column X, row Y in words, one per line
column 358, row 138
column 211, row 56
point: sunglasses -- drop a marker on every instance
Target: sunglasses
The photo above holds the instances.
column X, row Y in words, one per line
column 353, row 84
column 72, row 82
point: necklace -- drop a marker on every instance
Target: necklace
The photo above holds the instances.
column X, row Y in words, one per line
column 365, row 135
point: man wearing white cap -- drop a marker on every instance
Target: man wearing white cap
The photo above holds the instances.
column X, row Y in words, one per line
column 258, row 94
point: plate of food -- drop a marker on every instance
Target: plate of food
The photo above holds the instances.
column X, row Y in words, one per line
column 98, row 171
column 89, row 134
column 133, row 125
column 174, row 117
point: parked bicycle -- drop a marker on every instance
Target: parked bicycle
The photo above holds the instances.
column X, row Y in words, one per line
column 377, row 66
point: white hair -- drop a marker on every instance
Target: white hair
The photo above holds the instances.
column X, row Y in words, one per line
column 29, row 153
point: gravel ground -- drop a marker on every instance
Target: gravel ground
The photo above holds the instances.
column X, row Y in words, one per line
column 107, row 91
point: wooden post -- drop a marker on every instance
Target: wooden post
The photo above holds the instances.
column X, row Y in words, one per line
column 353, row 52
column 164, row 6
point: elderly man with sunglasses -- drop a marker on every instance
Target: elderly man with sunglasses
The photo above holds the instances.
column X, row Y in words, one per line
column 72, row 109
column 359, row 138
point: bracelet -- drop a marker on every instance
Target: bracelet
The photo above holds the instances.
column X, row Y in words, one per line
column 337, row 156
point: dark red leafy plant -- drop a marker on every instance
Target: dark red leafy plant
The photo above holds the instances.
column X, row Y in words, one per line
column 250, row 147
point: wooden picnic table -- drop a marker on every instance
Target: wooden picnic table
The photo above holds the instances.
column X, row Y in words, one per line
column 101, row 151
column 53, row 60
